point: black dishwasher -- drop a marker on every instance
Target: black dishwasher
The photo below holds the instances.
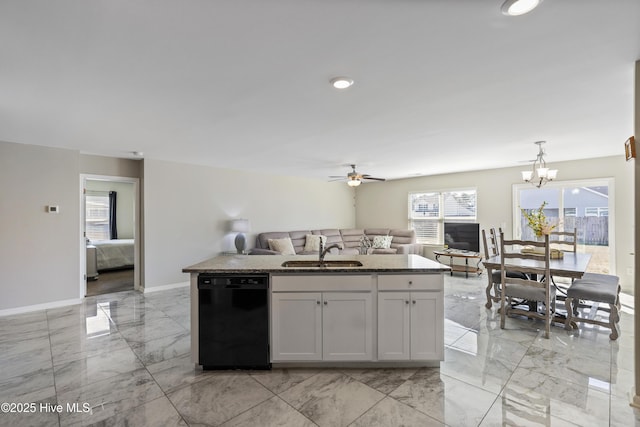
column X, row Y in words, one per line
column 233, row 321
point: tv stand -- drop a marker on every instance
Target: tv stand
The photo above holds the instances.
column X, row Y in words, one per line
column 466, row 255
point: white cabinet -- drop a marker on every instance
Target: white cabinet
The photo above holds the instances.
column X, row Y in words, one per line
column 394, row 326
column 347, row 326
column 333, row 324
column 296, row 326
column 410, row 322
column 332, row 317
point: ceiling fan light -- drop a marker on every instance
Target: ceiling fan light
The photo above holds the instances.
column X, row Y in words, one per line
column 551, row 174
column 519, row 7
column 354, row 182
column 341, row 82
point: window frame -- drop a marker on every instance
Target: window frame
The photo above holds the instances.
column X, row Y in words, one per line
column 441, row 217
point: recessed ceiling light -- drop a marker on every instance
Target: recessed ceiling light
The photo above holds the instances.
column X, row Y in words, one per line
column 341, row 82
column 519, row 7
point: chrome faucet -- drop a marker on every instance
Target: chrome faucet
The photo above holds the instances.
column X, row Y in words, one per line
column 323, row 251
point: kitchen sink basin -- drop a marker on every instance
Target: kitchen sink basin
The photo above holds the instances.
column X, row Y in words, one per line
column 329, row 263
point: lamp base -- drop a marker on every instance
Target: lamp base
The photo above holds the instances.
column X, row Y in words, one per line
column 241, row 242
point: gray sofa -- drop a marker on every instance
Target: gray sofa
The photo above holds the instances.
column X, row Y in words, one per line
column 403, row 241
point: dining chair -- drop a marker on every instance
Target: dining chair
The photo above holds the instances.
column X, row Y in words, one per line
column 530, row 289
column 491, row 249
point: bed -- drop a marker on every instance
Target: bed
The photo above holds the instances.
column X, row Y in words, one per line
column 112, row 254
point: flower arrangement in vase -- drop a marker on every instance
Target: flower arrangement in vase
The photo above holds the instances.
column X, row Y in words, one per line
column 537, row 221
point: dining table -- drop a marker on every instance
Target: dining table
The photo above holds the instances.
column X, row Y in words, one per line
column 572, row 265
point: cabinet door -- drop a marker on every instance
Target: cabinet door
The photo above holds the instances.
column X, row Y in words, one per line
column 296, row 326
column 393, row 325
column 427, row 326
column 347, row 326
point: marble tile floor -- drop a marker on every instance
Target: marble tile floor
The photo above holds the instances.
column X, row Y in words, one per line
column 123, row 359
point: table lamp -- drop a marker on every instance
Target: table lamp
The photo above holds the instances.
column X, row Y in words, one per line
column 240, row 226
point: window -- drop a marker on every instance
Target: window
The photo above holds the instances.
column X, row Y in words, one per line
column 97, row 215
column 570, row 212
column 429, row 211
column 600, row 211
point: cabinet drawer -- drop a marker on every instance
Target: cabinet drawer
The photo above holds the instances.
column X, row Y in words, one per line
column 321, row 283
column 396, row 282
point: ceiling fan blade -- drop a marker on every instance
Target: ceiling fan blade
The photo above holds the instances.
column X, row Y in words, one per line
column 373, row 178
column 336, row 176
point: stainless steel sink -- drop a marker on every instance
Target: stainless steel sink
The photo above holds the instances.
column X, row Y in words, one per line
column 329, row 263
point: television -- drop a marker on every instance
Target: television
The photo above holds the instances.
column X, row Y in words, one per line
column 464, row 236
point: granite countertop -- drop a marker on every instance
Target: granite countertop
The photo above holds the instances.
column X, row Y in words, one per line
column 273, row 264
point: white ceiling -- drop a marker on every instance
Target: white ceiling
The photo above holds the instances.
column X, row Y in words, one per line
column 440, row 85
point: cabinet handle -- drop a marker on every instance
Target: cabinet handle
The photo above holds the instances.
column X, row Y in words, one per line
column 406, row 302
column 325, row 303
column 411, row 282
column 414, row 301
column 318, row 302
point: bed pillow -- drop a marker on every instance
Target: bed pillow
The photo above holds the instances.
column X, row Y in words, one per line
column 284, row 246
column 382, row 242
column 312, row 242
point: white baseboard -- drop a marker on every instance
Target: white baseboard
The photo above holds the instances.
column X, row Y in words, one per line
column 37, row 307
column 165, row 287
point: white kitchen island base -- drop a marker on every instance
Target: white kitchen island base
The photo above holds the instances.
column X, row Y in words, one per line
column 387, row 313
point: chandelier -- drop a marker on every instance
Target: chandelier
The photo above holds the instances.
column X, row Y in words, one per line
column 542, row 172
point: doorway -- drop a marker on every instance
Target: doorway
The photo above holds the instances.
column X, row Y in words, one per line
column 110, row 236
column 583, row 205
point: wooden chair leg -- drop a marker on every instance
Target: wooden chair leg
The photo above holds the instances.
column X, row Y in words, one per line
column 567, row 304
column 613, row 323
column 503, row 310
column 488, row 292
column 548, row 318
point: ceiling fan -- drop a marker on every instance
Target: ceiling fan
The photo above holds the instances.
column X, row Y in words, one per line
column 354, row 178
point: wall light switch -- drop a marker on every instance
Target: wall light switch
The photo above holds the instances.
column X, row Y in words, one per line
column 53, row 209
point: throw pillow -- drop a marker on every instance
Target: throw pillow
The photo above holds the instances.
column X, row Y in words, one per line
column 312, row 242
column 284, row 246
column 382, row 242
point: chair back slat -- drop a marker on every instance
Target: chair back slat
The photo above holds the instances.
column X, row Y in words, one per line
column 566, row 241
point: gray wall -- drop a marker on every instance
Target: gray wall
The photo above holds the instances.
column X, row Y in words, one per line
column 39, row 251
column 188, row 208
column 386, row 203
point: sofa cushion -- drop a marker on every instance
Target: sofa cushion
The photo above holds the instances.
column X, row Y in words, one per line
column 402, row 237
column 388, row 251
column 372, row 232
column 382, row 242
column 312, row 242
column 351, row 237
column 298, row 238
column 333, row 236
column 262, row 241
column 284, row 246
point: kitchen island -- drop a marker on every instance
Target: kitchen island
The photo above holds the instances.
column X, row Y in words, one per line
column 387, row 312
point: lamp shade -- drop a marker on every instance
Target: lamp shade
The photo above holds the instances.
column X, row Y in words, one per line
column 240, row 225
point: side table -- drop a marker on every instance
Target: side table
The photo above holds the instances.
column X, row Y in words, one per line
column 466, row 255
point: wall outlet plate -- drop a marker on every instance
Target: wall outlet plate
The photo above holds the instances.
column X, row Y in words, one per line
column 53, row 209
